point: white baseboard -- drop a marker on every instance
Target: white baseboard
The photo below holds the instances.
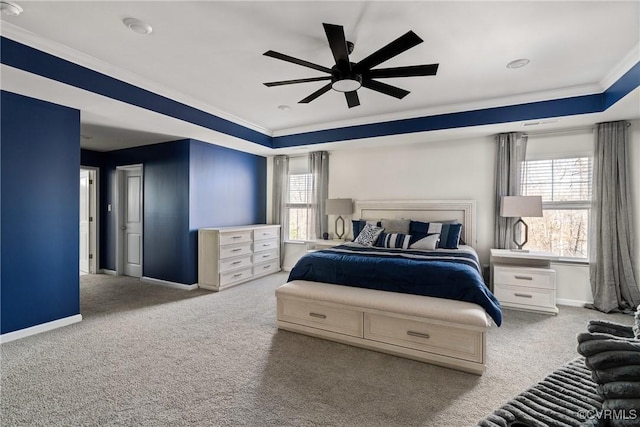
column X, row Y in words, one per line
column 170, row 284
column 109, row 272
column 43, row 327
column 572, row 302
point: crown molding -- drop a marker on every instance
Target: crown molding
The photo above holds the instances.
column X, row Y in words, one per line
column 630, row 60
column 59, row 50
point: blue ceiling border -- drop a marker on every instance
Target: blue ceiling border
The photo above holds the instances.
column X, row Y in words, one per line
column 34, row 61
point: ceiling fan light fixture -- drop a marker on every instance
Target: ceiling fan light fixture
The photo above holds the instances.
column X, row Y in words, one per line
column 10, row 9
column 349, row 83
column 138, row 26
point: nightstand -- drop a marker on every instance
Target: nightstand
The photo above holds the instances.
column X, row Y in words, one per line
column 316, row 245
column 524, row 280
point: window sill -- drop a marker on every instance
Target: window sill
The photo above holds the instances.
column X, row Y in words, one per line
column 295, row 242
column 571, row 261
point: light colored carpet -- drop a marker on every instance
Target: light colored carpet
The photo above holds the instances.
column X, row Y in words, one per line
column 155, row 356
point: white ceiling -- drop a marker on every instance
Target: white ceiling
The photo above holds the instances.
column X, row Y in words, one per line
column 208, row 54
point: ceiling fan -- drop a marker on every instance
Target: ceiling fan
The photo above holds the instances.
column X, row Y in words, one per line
column 348, row 77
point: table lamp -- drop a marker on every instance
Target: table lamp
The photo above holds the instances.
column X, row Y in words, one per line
column 518, row 207
column 339, row 207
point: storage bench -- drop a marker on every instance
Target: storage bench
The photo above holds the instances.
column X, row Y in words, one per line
column 443, row 332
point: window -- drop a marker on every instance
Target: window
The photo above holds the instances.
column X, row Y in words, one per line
column 565, row 187
column 298, row 205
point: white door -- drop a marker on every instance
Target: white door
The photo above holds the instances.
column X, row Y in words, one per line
column 132, row 222
column 84, row 221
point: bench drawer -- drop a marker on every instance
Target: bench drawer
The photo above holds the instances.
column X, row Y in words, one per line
column 335, row 319
column 424, row 336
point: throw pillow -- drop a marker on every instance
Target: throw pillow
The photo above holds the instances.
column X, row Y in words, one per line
column 449, row 235
column 394, row 240
column 429, row 242
column 368, row 235
column 395, row 225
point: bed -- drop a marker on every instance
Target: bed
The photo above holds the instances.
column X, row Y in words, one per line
column 429, row 305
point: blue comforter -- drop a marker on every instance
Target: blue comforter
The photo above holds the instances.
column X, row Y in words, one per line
column 451, row 274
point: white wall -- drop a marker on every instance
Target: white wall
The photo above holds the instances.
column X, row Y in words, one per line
column 440, row 170
column 462, row 169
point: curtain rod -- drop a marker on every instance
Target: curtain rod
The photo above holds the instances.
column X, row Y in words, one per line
column 591, row 128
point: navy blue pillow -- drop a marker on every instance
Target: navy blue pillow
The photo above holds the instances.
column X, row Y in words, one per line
column 418, row 230
column 357, row 225
column 450, row 236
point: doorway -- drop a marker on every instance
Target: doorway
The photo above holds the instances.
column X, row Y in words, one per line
column 130, row 213
column 88, row 221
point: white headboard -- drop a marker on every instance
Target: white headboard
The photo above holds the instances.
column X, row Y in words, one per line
column 464, row 211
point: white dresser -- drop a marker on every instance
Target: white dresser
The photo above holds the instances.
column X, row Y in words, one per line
column 524, row 280
column 228, row 256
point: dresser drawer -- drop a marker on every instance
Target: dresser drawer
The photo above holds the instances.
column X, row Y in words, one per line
column 425, row 336
column 316, row 315
column 265, row 245
column 520, row 276
column 235, row 263
column 235, row 237
column 266, row 233
column 235, row 250
column 266, row 256
column 523, row 295
column 266, row 268
column 235, row 276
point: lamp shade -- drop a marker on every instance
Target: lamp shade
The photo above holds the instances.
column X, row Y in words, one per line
column 521, row 206
column 339, row 207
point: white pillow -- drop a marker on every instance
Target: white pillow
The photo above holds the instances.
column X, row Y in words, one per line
column 429, row 242
column 368, row 235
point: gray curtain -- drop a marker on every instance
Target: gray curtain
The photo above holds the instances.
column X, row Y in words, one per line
column 280, row 195
column 512, row 148
column 319, row 169
column 611, row 273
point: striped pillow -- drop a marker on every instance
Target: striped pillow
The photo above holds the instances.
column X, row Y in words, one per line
column 394, row 240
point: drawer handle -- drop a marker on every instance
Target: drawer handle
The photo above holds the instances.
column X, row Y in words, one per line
column 318, row 315
column 236, row 262
column 524, row 295
column 524, row 277
column 237, row 275
column 265, row 245
column 418, row 334
column 266, row 266
column 266, row 256
column 236, row 249
column 265, row 234
column 236, row 237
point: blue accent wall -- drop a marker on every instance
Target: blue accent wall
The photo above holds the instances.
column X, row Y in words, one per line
column 226, row 187
column 188, row 184
column 40, row 161
column 166, row 208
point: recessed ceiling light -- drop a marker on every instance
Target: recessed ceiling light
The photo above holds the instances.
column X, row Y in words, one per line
column 284, row 107
column 518, row 63
column 137, row 26
column 11, row 9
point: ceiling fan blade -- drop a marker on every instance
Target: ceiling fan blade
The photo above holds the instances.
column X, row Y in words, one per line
column 290, row 82
column 297, row 61
column 338, row 44
column 352, row 99
column 411, row 71
column 316, row 94
column 396, row 92
column 396, row 47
